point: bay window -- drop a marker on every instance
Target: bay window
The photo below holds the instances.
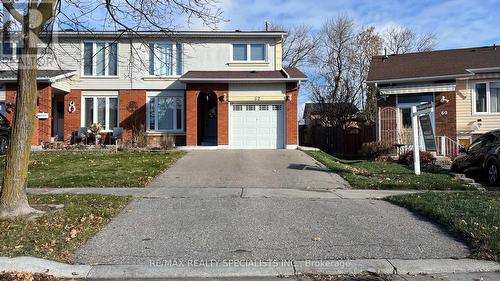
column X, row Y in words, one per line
column 255, row 52
column 161, row 59
column 100, row 109
column 487, row 97
column 100, row 59
column 165, row 113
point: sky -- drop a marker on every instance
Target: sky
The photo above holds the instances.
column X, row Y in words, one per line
column 456, row 23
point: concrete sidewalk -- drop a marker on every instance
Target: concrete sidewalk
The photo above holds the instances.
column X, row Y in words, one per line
column 208, row 192
column 407, row 268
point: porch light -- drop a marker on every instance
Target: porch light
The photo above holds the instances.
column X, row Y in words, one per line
column 289, row 98
column 224, row 98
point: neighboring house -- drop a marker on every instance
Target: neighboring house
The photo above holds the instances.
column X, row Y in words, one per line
column 204, row 88
column 313, row 111
column 463, row 86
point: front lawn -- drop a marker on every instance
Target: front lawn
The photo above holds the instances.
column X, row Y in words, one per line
column 57, row 234
column 364, row 174
column 97, row 169
column 472, row 215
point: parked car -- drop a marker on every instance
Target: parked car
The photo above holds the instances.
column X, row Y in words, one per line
column 4, row 134
column 481, row 158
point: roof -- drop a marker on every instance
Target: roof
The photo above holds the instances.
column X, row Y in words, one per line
column 434, row 65
column 284, row 75
column 315, row 108
column 169, row 33
column 42, row 75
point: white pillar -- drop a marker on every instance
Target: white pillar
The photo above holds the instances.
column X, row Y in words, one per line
column 443, row 145
column 416, row 147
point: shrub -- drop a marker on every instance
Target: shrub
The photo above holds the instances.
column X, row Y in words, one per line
column 375, row 150
column 407, row 158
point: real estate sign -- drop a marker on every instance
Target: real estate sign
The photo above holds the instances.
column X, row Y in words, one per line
column 427, row 133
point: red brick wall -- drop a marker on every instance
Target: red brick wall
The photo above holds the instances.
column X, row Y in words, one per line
column 72, row 119
column 192, row 92
column 446, row 115
column 132, row 111
column 42, row 128
column 44, row 105
column 292, row 91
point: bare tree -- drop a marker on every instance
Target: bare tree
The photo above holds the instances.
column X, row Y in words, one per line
column 36, row 19
column 344, row 57
column 401, row 40
column 299, row 46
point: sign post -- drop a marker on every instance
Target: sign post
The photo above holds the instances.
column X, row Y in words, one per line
column 422, row 113
column 416, row 147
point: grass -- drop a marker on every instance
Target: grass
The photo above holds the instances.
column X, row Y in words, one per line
column 472, row 215
column 57, row 234
column 362, row 174
column 90, row 169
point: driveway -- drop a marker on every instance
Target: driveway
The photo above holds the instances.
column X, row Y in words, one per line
column 261, row 205
column 249, row 168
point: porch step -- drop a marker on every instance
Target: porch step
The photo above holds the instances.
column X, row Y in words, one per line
column 470, row 182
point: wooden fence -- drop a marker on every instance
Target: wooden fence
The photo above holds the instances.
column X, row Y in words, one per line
column 337, row 141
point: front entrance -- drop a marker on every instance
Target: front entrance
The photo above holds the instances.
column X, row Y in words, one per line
column 207, row 118
column 58, row 116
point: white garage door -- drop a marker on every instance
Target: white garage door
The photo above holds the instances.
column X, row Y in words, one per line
column 256, row 126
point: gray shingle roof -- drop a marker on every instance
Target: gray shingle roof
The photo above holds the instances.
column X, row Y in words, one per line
column 451, row 63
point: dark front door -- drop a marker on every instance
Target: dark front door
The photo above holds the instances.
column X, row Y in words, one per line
column 208, row 119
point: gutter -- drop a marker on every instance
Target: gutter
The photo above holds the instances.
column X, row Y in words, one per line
column 242, row 80
column 454, row 76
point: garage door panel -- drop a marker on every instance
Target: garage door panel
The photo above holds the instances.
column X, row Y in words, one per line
column 256, row 126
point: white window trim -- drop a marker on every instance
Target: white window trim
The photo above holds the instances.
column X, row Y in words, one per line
column 249, row 54
column 95, row 96
column 106, row 59
column 488, row 99
column 14, row 51
column 174, row 60
column 154, row 94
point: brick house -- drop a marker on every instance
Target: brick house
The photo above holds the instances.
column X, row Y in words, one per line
column 222, row 88
column 463, row 86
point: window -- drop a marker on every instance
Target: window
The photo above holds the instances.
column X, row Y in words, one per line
column 263, row 107
column 249, row 52
column 100, row 109
column 487, row 97
column 415, row 99
column 237, row 108
column 481, row 97
column 10, row 50
column 161, row 59
column 250, row 107
column 166, row 113
column 276, row 107
column 100, row 59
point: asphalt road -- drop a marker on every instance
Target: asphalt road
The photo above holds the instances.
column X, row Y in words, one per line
column 207, row 207
column 226, row 227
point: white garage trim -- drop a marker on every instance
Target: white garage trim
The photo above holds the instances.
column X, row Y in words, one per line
column 276, row 128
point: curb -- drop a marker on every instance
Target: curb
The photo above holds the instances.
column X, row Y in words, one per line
column 208, row 269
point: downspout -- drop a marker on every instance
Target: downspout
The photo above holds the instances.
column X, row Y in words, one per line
column 377, row 124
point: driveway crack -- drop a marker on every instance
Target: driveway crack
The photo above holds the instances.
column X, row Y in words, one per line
column 394, row 268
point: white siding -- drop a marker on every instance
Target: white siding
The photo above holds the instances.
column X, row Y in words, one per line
column 203, row 54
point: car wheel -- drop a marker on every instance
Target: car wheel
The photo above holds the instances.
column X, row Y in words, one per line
column 493, row 175
column 4, row 144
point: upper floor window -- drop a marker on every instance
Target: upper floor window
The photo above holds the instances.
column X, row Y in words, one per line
column 487, row 97
column 10, row 50
column 100, row 59
column 249, row 52
column 165, row 59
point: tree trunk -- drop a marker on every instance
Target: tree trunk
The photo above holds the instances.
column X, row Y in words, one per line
column 13, row 199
